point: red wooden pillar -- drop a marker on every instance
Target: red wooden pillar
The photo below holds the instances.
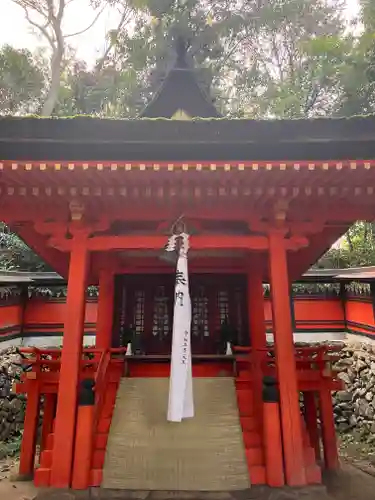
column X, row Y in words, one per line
column 285, row 361
column 257, row 328
column 65, row 423
column 311, row 419
column 257, row 324
column 331, row 457
column 48, row 416
column 28, row 445
column 105, row 309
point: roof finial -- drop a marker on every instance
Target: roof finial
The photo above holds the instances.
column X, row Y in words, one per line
column 181, row 47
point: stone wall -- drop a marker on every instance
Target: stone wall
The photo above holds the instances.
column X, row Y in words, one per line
column 354, row 407
column 12, row 407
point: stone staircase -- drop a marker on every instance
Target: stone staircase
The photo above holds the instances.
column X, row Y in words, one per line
column 146, row 452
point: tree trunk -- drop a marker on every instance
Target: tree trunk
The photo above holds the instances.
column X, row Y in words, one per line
column 53, row 92
column 56, row 63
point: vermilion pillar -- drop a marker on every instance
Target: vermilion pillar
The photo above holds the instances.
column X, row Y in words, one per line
column 257, row 327
column 66, row 413
column 285, row 361
column 256, row 306
column 105, row 309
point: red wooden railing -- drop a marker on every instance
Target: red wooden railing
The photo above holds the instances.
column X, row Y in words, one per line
column 101, row 378
column 41, row 376
column 309, row 359
column 100, row 381
column 316, row 379
column 314, row 372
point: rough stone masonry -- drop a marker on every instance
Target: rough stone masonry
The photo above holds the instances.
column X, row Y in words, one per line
column 354, row 407
column 12, row 406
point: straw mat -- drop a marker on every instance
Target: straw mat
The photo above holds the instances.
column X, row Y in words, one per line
column 146, row 452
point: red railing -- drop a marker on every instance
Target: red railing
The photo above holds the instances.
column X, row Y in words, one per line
column 100, row 383
column 49, row 360
column 318, row 359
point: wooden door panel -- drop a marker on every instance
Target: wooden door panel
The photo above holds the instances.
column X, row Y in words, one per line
column 145, row 303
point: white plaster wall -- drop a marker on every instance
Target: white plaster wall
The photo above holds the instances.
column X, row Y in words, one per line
column 314, row 337
column 50, row 341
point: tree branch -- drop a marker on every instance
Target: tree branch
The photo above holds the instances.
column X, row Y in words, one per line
column 125, row 15
column 89, row 26
column 24, row 4
column 41, row 28
column 60, row 12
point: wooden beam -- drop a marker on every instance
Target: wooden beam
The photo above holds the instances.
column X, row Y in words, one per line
column 158, row 242
column 198, row 242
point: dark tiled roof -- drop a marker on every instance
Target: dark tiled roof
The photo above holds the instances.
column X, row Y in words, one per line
column 181, row 90
column 86, row 138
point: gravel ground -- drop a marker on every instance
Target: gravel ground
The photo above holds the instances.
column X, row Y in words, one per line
column 352, row 484
column 355, row 481
column 14, row 490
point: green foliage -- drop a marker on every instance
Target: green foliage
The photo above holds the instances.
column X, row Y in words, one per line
column 11, row 448
column 22, row 81
column 270, row 58
column 106, row 93
column 297, row 56
column 357, row 248
column 16, row 255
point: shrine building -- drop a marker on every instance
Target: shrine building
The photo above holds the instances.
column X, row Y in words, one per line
column 261, row 200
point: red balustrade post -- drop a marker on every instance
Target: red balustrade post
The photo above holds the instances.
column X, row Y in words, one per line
column 331, row 457
column 311, row 419
column 28, row 445
column 48, row 416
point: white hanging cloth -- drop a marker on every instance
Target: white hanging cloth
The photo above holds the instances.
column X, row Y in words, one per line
column 181, row 403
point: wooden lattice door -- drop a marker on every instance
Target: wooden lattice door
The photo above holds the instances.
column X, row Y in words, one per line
column 145, row 304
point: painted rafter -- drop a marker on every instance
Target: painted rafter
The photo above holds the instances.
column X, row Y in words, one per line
column 28, row 166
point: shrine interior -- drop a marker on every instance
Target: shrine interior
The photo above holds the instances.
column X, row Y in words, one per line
column 143, row 312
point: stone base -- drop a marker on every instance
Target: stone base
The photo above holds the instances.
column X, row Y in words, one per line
column 254, row 493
